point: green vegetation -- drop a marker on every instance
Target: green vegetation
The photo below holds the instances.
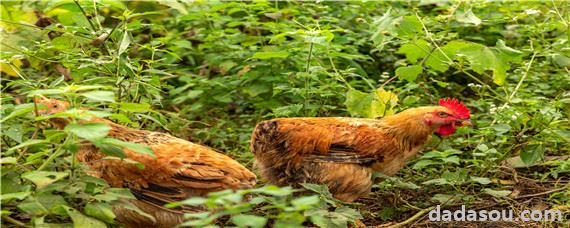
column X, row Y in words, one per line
column 208, row 71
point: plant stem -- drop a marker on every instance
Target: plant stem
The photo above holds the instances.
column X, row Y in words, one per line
column 14, row 221
column 85, row 15
column 53, row 156
column 307, row 70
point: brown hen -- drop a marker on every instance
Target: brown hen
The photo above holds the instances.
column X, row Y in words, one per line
column 180, row 170
column 342, row 153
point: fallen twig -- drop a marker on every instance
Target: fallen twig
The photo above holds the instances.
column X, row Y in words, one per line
column 543, row 193
column 407, row 221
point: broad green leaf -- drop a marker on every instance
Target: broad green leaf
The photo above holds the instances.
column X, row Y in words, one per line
column 305, row 202
column 409, row 73
column 125, row 42
column 52, row 202
column 90, row 131
column 481, row 180
column 467, row 17
column 111, row 150
column 274, row 190
column 480, row 57
column 532, row 153
column 114, row 194
column 501, row 128
column 134, row 107
column 409, row 26
column 383, row 103
column 407, row 185
column 443, row 198
column 270, row 54
column 80, row 220
column 358, row 103
column 441, row 58
column 33, row 207
column 256, row 88
column 105, row 96
column 423, row 163
column 15, row 195
column 18, row 111
column 437, row 181
column 138, row 148
column 249, row 220
column 27, row 143
column 194, row 201
column 66, row 41
column 287, row 110
column 497, row 193
column 383, row 27
column 101, row 211
column 415, row 50
column 8, row 160
column 373, row 105
column 44, row 178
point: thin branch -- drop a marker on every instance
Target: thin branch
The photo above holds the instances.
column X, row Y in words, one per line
column 543, row 193
column 85, row 15
column 14, row 221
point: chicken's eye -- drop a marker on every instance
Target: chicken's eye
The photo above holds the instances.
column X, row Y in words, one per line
column 442, row 114
column 54, row 106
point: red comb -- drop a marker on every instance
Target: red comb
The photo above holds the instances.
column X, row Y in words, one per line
column 458, row 107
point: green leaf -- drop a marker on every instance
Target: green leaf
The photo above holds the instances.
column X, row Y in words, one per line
column 373, row 105
column 443, row 198
column 52, row 202
column 44, row 178
column 497, row 193
column 8, row 160
column 409, row 73
column 15, row 195
column 383, row 28
column 532, row 153
column 423, row 163
column 64, row 42
column 33, row 207
column 415, row 50
column 138, row 148
column 409, row 26
column 481, row 180
column 501, row 128
column 305, row 202
column 27, row 143
column 249, row 221
column 18, row 111
column 437, row 181
column 91, row 131
column 101, row 211
column 480, row 57
column 467, row 17
column 111, row 150
column 358, row 103
column 287, row 110
column 125, row 42
column 134, row 107
column 270, row 54
column 105, row 96
column 80, row 220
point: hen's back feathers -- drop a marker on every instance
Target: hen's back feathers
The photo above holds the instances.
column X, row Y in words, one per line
column 338, row 152
column 180, row 170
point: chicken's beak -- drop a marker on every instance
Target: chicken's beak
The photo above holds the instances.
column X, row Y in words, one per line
column 466, row 123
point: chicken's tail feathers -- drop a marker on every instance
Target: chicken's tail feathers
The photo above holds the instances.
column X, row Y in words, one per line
column 265, row 133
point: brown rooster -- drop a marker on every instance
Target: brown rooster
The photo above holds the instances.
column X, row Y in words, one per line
column 180, row 170
column 342, row 152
